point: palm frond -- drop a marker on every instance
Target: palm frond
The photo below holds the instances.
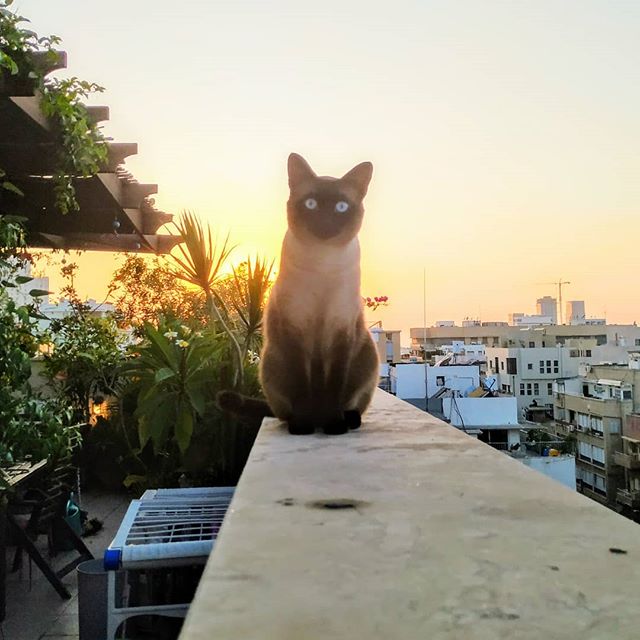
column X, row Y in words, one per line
column 201, row 255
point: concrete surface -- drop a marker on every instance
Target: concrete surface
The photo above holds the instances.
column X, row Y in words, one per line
column 447, row 539
column 35, row 610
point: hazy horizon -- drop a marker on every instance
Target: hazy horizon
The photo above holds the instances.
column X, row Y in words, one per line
column 504, row 136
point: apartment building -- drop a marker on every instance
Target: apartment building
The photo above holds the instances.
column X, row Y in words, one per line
column 594, row 406
column 493, row 419
column 461, row 353
column 387, row 343
column 499, row 334
column 548, row 307
column 628, row 495
column 528, row 373
column 409, row 381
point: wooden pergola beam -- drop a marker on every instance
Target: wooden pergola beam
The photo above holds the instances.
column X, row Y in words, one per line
column 159, row 244
column 114, row 213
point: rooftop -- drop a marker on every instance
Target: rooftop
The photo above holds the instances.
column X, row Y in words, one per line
column 408, row 528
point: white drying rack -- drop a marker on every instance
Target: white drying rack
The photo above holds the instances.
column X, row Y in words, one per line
column 164, row 528
column 168, row 527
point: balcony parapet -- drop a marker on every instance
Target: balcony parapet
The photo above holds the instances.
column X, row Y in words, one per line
column 409, row 528
column 629, row 498
column 627, row 460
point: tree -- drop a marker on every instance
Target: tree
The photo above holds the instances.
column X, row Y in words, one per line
column 143, row 289
column 29, row 425
column 85, row 352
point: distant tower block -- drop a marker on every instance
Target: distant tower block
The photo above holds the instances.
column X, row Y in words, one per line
column 547, row 306
column 575, row 312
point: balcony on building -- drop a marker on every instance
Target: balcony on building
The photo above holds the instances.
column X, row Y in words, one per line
column 627, row 460
column 629, row 498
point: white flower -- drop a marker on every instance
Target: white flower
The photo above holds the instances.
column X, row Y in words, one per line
column 185, row 329
column 170, row 334
column 182, row 343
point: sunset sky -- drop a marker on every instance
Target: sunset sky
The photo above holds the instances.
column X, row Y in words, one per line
column 505, row 135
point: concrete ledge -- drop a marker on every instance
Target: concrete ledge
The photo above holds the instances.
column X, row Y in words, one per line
column 448, row 539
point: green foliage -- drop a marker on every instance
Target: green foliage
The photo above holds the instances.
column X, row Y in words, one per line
column 38, row 429
column 172, row 370
column 29, row 426
column 17, row 42
column 86, row 355
column 252, row 281
column 200, row 263
column 539, row 435
column 143, row 290
column 80, row 143
column 7, row 185
column 83, row 364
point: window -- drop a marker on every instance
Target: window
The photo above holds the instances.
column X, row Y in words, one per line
column 530, row 366
column 586, row 477
column 587, row 353
column 595, row 424
column 574, row 353
column 522, row 388
column 531, row 344
column 584, row 451
column 439, row 381
column 615, row 424
column 597, row 456
column 536, row 389
column 583, row 421
column 599, row 484
column 549, row 388
column 528, row 388
column 555, row 366
column 591, row 453
column 548, row 366
column 502, row 365
column 512, row 366
column 626, row 394
column 637, row 342
column 541, row 366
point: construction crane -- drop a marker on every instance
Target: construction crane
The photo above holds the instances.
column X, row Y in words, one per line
column 558, row 284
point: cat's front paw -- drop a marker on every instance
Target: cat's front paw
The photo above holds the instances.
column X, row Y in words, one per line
column 300, row 428
column 336, row 428
column 353, row 418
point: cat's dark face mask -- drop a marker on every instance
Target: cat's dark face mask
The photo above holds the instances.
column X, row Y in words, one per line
column 326, row 208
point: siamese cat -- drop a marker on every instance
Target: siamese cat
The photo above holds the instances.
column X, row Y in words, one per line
column 319, row 365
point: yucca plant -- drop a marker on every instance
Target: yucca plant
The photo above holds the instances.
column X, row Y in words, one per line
column 200, row 261
column 249, row 295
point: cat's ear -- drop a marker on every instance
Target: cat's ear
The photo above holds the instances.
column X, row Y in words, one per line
column 299, row 170
column 359, row 177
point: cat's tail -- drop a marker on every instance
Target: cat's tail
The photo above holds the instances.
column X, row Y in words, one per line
column 243, row 406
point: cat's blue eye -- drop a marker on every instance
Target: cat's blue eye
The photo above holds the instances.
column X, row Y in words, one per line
column 311, row 204
column 342, row 206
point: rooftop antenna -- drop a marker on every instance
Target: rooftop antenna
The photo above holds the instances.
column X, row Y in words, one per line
column 559, row 284
column 424, row 336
